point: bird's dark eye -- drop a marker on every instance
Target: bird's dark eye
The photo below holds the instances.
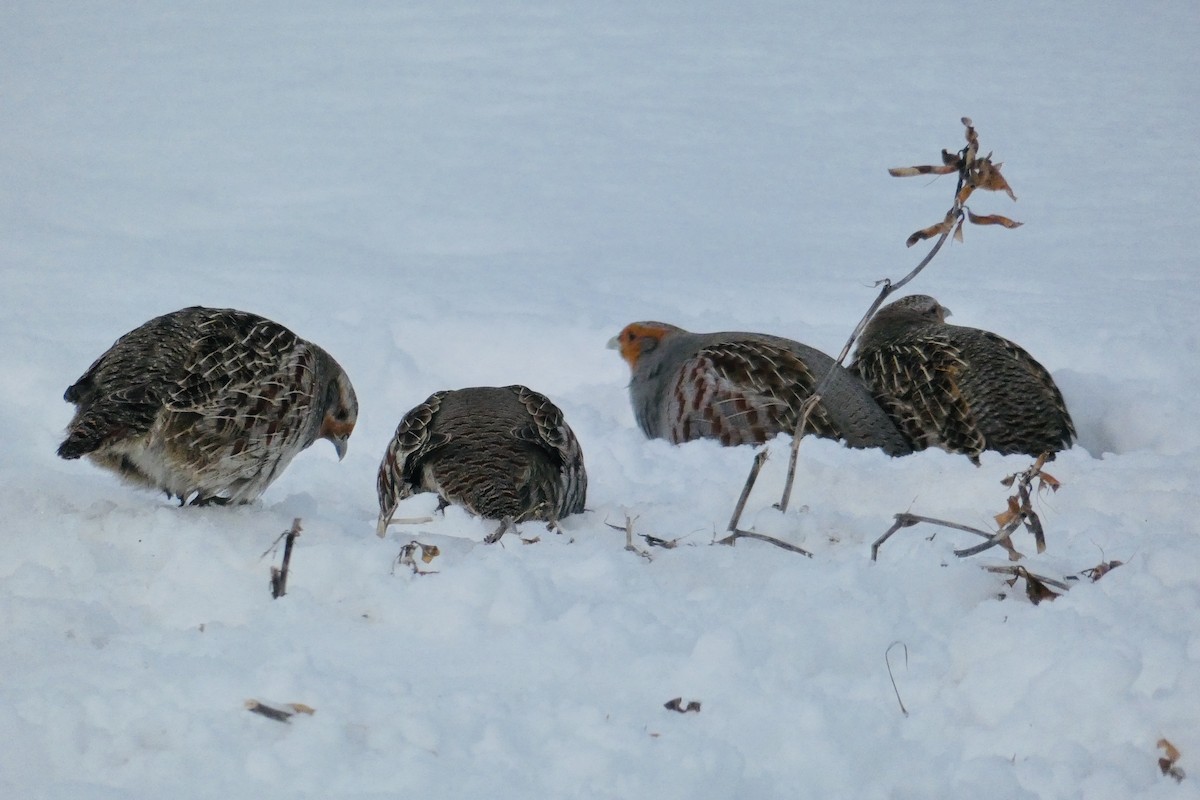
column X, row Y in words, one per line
column 629, row 336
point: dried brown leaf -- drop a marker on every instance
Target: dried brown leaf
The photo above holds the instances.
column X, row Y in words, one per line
column 1048, row 481
column 429, row 552
column 992, row 219
column 1037, row 591
column 943, row 227
column 1100, row 570
column 1009, row 517
column 1167, row 763
column 986, row 175
column 958, row 235
column 909, row 172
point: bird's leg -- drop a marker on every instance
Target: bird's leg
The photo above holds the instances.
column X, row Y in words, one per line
column 495, row 535
column 442, row 505
column 210, row 500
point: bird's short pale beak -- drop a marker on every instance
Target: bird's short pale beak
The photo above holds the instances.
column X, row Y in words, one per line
column 614, row 343
column 340, row 444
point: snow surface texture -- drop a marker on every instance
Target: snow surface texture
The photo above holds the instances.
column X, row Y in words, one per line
column 447, row 195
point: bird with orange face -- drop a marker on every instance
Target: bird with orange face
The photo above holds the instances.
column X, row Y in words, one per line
column 741, row 388
column 209, row 405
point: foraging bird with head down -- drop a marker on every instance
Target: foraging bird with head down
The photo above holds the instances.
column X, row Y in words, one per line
column 209, row 405
column 741, row 388
column 502, row 453
column 962, row 389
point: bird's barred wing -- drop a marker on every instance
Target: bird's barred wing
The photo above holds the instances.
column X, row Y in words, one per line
column 742, row 392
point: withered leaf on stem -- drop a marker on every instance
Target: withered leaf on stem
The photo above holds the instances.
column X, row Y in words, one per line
column 926, row 169
column 986, row 175
column 1048, row 481
column 1010, row 516
column 992, row 219
column 1036, row 590
column 945, row 226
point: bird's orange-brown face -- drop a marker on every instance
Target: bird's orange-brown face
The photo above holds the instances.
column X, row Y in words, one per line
column 341, row 412
column 638, row 337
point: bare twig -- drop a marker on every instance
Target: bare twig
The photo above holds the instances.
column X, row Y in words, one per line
column 732, row 538
column 279, row 575
column 888, row 660
column 1020, row 512
column 905, row 520
column 973, row 172
column 759, row 459
column 628, row 529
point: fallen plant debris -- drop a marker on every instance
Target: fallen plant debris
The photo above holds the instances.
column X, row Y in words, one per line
column 277, row 713
column 279, row 575
column 406, row 557
column 628, row 529
column 1167, row 762
column 1037, row 587
column 1100, row 570
column 1019, row 511
column 676, row 704
column 887, row 658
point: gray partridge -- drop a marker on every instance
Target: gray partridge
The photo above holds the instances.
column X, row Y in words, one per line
column 962, row 389
column 208, row 405
column 502, row 453
column 744, row 388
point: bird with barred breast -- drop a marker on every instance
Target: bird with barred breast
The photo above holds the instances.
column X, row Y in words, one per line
column 741, row 388
column 962, row 389
column 209, row 405
column 502, row 453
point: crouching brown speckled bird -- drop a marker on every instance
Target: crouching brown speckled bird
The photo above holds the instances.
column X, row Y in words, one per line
column 503, row 453
column 208, row 404
column 964, row 390
column 742, row 388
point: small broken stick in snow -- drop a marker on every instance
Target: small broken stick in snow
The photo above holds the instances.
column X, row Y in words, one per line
column 280, row 714
column 279, row 575
column 628, row 529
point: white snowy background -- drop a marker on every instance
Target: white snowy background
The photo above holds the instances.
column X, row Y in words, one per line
column 456, row 194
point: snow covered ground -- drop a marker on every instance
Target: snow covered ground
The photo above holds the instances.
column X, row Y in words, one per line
column 456, row 194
